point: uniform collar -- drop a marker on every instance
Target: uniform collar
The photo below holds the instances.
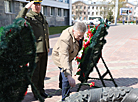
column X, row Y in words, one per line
column 38, row 16
column 71, row 33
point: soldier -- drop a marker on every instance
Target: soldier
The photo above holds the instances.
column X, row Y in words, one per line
column 41, row 32
column 64, row 51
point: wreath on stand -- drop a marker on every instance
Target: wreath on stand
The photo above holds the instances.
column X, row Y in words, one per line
column 90, row 53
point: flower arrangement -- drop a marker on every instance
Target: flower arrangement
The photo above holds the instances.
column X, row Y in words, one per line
column 86, row 43
column 92, row 84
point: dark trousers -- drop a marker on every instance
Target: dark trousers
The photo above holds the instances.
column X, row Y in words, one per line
column 64, row 84
column 40, row 72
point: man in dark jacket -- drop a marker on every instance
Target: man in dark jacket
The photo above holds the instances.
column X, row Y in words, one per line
column 41, row 32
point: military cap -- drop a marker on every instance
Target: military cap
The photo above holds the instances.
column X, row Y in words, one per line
column 35, row 1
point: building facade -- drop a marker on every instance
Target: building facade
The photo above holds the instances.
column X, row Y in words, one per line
column 101, row 8
column 136, row 12
column 80, row 10
column 57, row 12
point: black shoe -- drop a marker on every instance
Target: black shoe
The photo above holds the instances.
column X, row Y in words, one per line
column 45, row 95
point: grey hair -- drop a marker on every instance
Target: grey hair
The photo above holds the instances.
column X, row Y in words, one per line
column 81, row 26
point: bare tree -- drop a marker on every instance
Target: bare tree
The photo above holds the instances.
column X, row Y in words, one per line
column 104, row 8
column 110, row 16
column 120, row 5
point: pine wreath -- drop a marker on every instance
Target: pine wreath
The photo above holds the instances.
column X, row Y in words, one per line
column 92, row 53
column 17, row 60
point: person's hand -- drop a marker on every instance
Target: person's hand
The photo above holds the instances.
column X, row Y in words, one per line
column 29, row 4
column 71, row 81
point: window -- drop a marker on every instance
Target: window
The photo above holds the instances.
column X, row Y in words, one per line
column 8, row 6
column 84, row 13
column 92, row 13
column 97, row 8
column 84, row 7
column 72, row 7
column 80, row 18
column 60, row 0
column 72, row 12
column 89, row 7
column 59, row 11
column 66, row 1
column 76, row 7
column 44, row 10
column 65, row 12
column 84, row 18
column 93, row 7
column 88, row 13
column 96, row 13
column 80, row 7
column 101, row 12
column 52, row 11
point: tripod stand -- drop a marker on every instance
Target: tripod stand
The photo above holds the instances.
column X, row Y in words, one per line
column 102, row 76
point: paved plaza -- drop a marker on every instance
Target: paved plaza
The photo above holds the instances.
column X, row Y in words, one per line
column 120, row 54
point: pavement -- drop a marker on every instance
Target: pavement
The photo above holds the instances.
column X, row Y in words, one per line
column 120, row 54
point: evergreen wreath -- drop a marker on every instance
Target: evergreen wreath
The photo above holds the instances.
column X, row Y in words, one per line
column 91, row 50
column 17, row 60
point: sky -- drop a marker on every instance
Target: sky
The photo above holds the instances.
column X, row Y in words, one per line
column 131, row 1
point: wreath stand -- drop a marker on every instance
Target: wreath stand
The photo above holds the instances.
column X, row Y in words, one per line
column 101, row 76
